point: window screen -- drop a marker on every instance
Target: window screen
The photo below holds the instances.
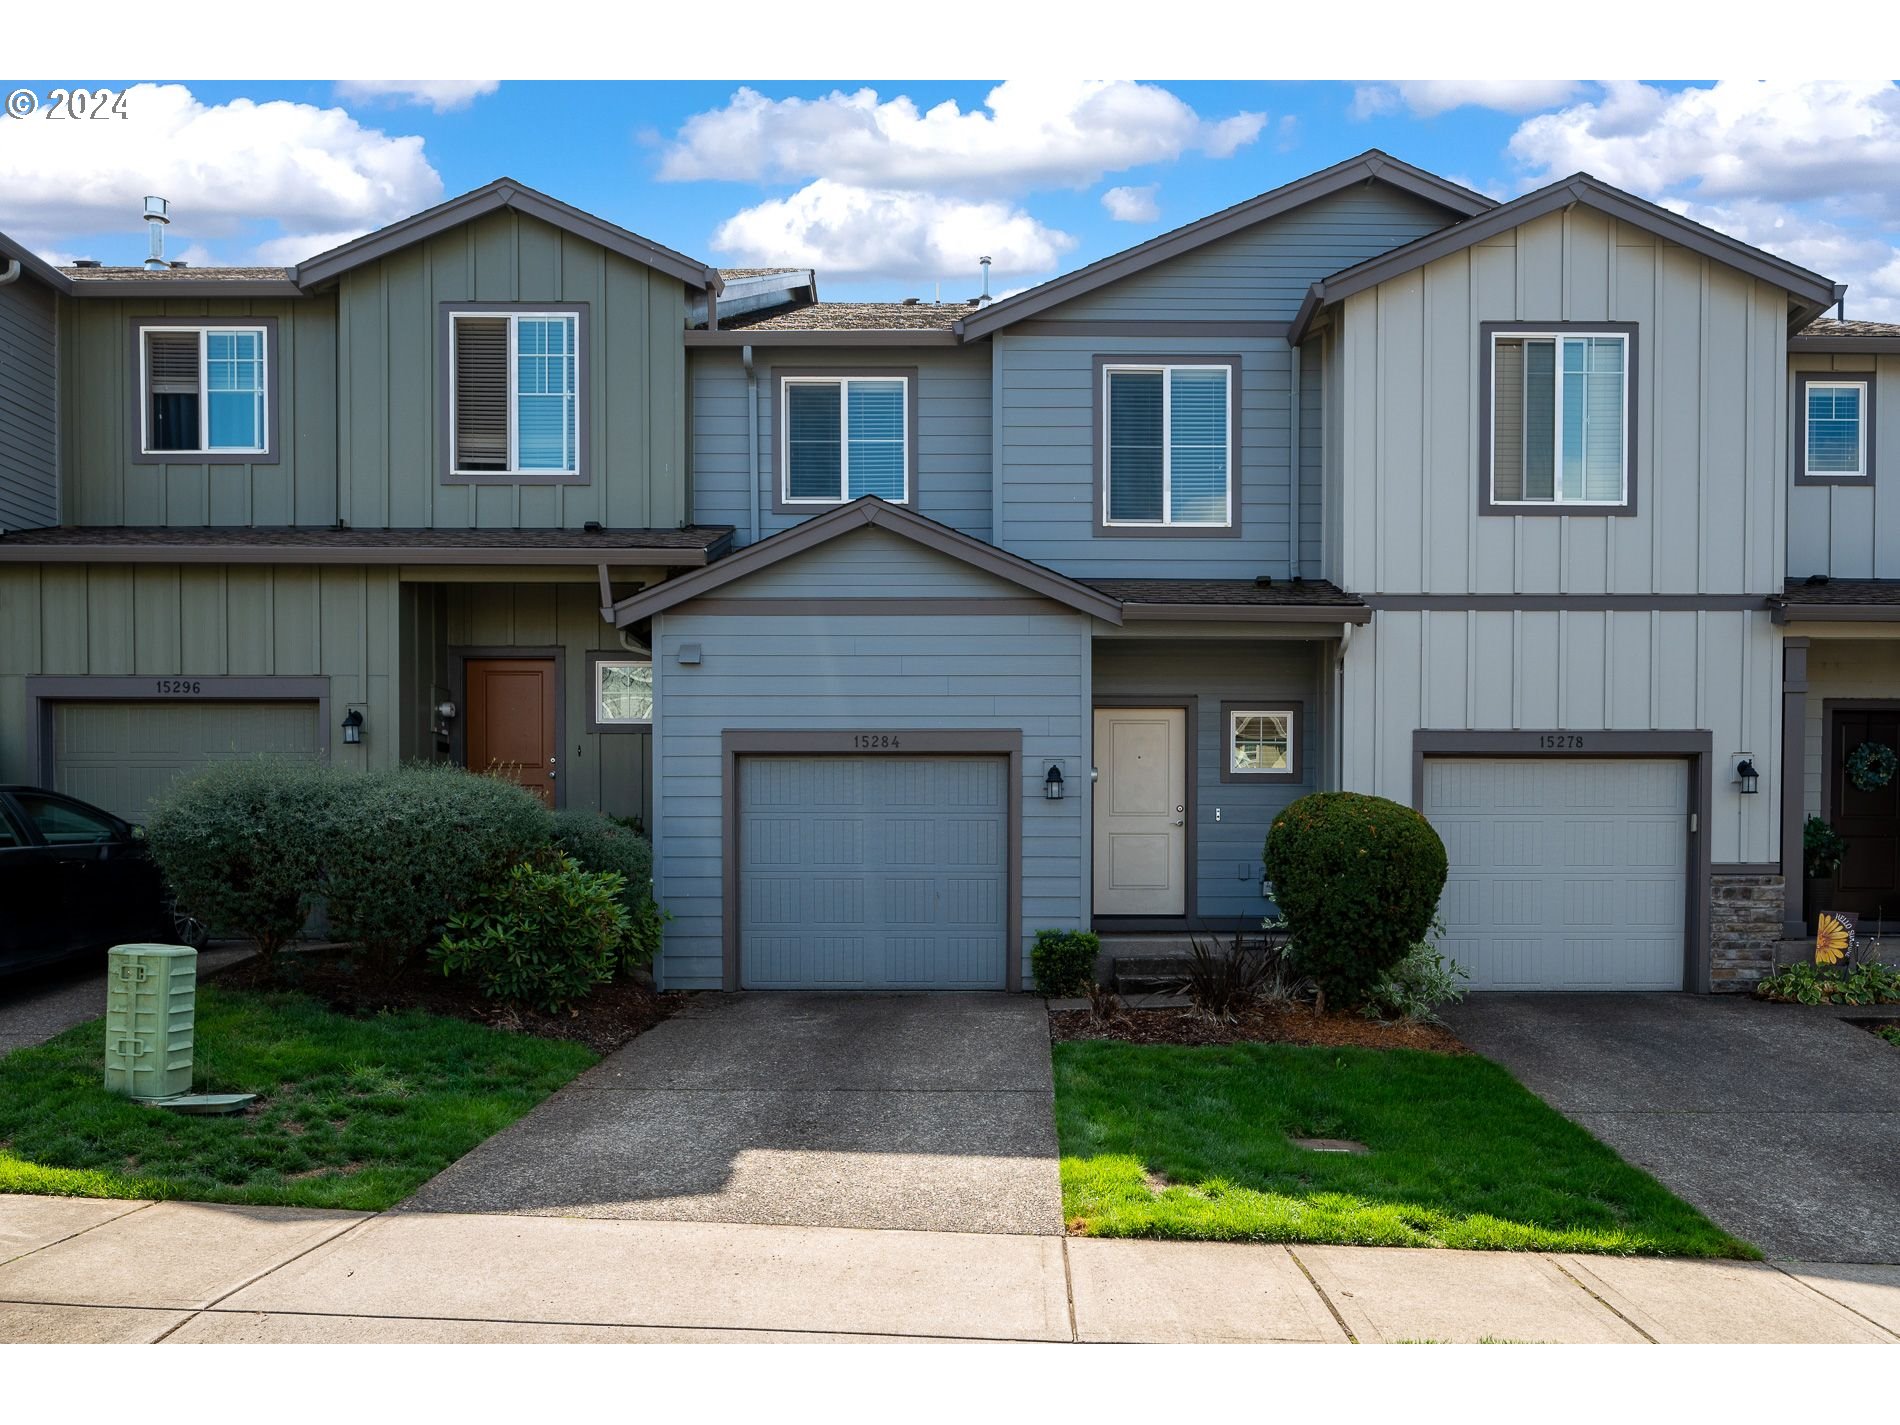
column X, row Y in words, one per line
column 171, row 362
column 1168, row 446
column 1835, row 417
column 481, row 393
column 1558, row 419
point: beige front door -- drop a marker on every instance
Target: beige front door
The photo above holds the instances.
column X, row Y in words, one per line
column 1141, row 811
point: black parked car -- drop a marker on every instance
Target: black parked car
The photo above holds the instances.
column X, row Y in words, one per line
column 74, row 880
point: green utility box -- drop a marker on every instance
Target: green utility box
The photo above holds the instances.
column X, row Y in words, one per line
column 151, row 1002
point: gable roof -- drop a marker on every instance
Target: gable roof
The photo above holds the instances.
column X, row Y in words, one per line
column 490, row 198
column 31, row 266
column 1813, row 293
column 861, row 512
column 1366, row 166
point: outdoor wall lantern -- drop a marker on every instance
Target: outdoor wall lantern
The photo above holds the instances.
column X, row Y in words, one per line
column 353, row 726
column 1745, row 774
column 1052, row 784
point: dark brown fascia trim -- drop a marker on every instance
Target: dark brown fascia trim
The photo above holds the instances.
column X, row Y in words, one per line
column 774, row 376
column 1798, row 427
column 1836, row 613
column 990, row 742
column 271, row 454
column 1571, row 603
column 1265, row 331
column 1369, row 165
column 1799, row 282
column 1296, row 741
column 492, row 197
column 1632, row 401
column 1311, row 305
column 445, row 471
column 868, row 510
column 14, row 553
column 1697, row 747
column 1247, row 613
column 36, row 267
column 138, row 289
column 964, row 608
column 1098, row 419
column 1745, row 868
column 831, row 336
column 1821, row 344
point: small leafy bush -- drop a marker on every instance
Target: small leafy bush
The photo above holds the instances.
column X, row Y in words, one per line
column 411, row 846
column 240, row 845
column 1421, row 982
column 1890, row 1033
column 609, row 843
column 1821, row 849
column 1221, row 980
column 1357, row 878
column 1063, row 961
column 1804, row 982
column 545, row 934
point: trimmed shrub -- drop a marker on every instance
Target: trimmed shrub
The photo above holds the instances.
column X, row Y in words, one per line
column 1358, row 879
column 610, row 843
column 1063, row 961
column 409, row 847
column 1421, row 982
column 545, row 934
column 239, row 843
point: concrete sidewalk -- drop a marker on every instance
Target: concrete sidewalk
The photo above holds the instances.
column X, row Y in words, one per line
column 89, row 1270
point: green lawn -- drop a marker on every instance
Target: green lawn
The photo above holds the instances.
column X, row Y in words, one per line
column 1462, row 1155
column 355, row 1113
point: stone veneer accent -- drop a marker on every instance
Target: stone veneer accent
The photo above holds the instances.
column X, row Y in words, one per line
column 1744, row 929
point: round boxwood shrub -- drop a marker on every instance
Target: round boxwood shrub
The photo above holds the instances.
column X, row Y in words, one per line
column 545, row 934
column 240, row 843
column 605, row 843
column 1357, row 878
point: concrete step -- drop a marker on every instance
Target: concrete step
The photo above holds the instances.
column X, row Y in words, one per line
column 1154, row 964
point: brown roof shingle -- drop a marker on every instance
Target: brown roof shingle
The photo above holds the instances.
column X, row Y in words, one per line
column 1835, row 593
column 1227, row 593
column 179, row 274
column 852, row 316
column 1830, row 326
column 695, row 544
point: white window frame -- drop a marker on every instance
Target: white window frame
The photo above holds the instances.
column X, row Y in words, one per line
column 1166, row 370
column 844, row 437
column 1234, row 717
column 1809, row 387
column 602, row 664
column 1581, row 333
column 204, row 332
column 572, row 467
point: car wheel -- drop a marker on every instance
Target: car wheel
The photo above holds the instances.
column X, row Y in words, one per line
column 187, row 929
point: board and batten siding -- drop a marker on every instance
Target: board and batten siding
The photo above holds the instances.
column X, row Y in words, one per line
column 950, row 425
column 1710, row 402
column 29, row 435
column 1011, row 670
column 1848, row 531
column 102, row 483
column 167, row 621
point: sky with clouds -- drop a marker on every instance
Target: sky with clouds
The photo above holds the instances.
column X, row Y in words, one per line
column 896, row 189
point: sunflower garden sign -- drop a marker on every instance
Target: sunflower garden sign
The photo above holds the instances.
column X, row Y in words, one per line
column 1834, row 937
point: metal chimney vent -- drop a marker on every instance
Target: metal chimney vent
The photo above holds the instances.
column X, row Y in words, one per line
column 985, row 299
column 157, row 218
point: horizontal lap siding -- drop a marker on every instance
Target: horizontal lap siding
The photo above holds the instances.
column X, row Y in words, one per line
column 29, row 448
column 871, row 564
column 1849, row 531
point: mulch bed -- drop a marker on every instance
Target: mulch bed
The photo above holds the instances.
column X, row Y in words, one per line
column 611, row 1016
column 1261, row 1024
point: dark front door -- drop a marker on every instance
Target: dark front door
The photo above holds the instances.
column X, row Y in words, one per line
column 511, row 728
column 1869, row 821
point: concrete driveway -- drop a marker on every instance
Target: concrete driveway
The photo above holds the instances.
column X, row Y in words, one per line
column 927, row 1112
column 34, row 1007
column 1781, row 1122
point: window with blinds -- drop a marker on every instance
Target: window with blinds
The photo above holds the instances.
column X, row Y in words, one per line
column 1836, row 429
column 1559, row 418
column 845, row 437
column 516, row 398
column 1166, row 446
column 205, row 390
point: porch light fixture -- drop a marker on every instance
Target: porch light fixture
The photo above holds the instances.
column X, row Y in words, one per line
column 1746, row 774
column 353, row 726
column 1052, row 784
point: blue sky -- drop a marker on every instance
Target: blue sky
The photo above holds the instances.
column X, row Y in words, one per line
column 889, row 192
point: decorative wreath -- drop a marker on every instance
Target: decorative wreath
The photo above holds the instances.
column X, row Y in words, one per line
column 1872, row 765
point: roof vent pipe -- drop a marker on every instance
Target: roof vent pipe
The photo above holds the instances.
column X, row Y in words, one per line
column 85, row 262
column 157, row 218
column 984, row 300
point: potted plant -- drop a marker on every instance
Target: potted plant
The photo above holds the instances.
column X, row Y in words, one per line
column 1821, row 851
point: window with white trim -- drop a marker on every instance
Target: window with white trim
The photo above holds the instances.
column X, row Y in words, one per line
column 1836, row 422
column 1259, row 742
column 844, row 437
column 1167, row 436
column 203, row 390
column 623, row 692
column 515, row 397
column 1559, row 418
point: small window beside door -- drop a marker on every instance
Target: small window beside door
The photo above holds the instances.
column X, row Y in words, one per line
column 1260, row 742
column 623, row 693
column 515, row 398
column 205, row 392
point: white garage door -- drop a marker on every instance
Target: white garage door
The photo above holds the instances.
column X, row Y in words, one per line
column 120, row 755
column 1565, row 875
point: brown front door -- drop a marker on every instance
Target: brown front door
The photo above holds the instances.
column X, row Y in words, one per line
column 1869, row 879
column 511, row 728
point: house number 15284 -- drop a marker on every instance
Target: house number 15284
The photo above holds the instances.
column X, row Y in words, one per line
column 875, row 741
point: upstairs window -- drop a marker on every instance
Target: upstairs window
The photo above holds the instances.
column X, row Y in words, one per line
column 844, row 437
column 515, row 404
column 1835, row 416
column 204, row 390
column 1560, row 420
column 1166, row 441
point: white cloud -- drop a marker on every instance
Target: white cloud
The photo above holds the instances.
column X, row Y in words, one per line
column 1866, row 259
column 1028, row 134
column 293, row 248
column 225, row 167
column 1133, row 205
column 849, row 231
column 441, row 95
column 1426, row 98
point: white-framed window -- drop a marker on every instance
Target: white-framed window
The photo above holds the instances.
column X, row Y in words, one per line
column 203, row 390
column 1836, row 429
column 1260, row 741
column 1167, row 441
column 844, row 437
column 623, row 692
column 1559, row 418
column 514, row 401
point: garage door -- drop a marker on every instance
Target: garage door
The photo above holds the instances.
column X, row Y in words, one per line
column 119, row 755
column 873, row 873
column 1565, row 875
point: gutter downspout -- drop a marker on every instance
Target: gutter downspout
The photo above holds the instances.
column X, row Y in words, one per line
column 12, row 274
column 1293, row 491
column 752, row 439
column 1338, row 729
